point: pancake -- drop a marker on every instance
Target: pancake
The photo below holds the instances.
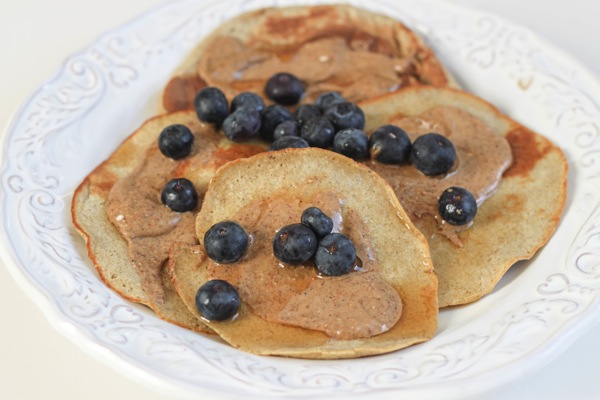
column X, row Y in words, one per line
column 513, row 223
column 341, row 48
column 136, row 271
column 276, row 186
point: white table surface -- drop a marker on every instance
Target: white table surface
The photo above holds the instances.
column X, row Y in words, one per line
column 37, row 362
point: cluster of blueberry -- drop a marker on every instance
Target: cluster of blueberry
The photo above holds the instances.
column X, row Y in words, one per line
column 334, row 254
column 226, row 242
column 331, row 122
column 432, row 154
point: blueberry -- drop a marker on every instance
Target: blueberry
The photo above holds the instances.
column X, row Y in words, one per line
column 306, row 112
column 352, row 143
column 286, row 128
column 288, row 142
column 317, row 220
column 294, row 244
column 217, row 300
column 389, row 145
column 175, row 141
column 179, row 195
column 335, row 255
column 272, row 116
column 457, row 206
column 318, row 132
column 328, row 99
column 432, row 154
column 242, row 125
column 211, row 105
column 225, row 242
column 284, row 88
column 345, row 115
column 249, row 100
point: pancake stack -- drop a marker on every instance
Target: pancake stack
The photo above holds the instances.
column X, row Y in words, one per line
column 117, row 208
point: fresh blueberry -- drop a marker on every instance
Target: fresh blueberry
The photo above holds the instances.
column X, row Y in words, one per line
column 225, row 242
column 286, row 128
column 175, row 141
column 457, row 206
column 335, row 255
column 352, row 143
column 288, row 142
column 306, row 112
column 389, row 145
column 328, row 99
column 432, row 154
column 272, row 116
column 211, row 105
column 346, row 115
column 317, row 220
column 294, row 244
column 179, row 195
column 248, row 100
column 242, row 125
column 284, row 88
column 318, row 132
column 217, row 300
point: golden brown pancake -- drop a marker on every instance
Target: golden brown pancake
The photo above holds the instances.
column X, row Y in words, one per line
column 132, row 264
column 275, row 187
column 341, row 48
column 513, row 223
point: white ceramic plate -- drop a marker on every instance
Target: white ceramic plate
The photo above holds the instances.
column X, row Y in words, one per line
column 99, row 96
